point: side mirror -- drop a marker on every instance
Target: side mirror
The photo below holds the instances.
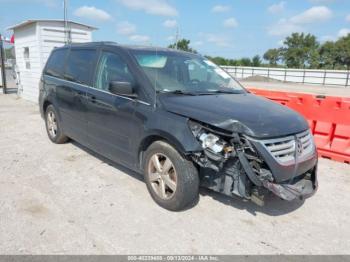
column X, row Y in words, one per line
column 122, row 88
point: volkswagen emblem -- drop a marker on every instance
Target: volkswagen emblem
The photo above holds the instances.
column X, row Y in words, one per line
column 299, row 147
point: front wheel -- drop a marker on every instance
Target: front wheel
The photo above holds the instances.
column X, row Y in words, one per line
column 171, row 179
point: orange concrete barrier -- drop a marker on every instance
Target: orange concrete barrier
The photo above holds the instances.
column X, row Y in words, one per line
column 328, row 117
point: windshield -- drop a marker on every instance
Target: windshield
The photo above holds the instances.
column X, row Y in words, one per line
column 185, row 73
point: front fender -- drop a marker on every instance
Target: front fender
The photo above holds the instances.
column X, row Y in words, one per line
column 183, row 143
column 173, row 128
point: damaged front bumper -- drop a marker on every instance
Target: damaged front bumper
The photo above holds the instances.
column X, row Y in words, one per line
column 250, row 168
column 245, row 176
column 234, row 181
column 302, row 189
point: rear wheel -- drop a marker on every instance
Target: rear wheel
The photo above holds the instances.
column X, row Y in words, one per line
column 53, row 126
column 171, row 179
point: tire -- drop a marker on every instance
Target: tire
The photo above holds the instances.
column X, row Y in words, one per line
column 53, row 126
column 173, row 188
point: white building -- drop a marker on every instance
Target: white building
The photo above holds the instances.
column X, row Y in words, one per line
column 34, row 40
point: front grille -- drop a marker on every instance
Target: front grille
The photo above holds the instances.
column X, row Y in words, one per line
column 281, row 149
column 286, row 150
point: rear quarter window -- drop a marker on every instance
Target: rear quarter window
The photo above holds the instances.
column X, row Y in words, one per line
column 79, row 66
column 55, row 64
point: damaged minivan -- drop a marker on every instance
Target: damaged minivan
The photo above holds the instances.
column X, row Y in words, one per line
column 180, row 120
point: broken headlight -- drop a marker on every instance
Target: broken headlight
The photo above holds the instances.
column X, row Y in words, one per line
column 208, row 139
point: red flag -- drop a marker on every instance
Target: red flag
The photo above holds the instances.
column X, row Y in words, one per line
column 12, row 41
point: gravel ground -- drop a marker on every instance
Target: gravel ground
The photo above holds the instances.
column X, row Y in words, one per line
column 64, row 199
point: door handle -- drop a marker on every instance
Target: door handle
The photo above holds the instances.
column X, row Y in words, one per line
column 92, row 99
column 77, row 94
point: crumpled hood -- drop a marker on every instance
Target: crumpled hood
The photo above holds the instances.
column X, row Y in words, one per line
column 243, row 113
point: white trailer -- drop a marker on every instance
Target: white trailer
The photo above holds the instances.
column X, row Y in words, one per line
column 34, row 41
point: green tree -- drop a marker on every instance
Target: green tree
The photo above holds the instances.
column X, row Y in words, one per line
column 314, row 59
column 245, row 62
column 256, row 61
column 220, row 60
column 272, row 56
column 300, row 51
column 328, row 55
column 233, row 62
column 184, row 45
column 343, row 51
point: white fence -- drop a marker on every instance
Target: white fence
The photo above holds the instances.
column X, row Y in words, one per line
column 304, row 76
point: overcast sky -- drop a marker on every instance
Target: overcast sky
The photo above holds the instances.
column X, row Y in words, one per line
column 232, row 29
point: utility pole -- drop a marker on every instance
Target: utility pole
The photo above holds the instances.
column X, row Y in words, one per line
column 66, row 29
column 176, row 37
column 3, row 69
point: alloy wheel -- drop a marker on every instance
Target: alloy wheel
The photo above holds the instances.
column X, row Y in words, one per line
column 52, row 124
column 162, row 176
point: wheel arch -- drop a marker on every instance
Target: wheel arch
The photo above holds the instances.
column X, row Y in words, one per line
column 46, row 104
column 159, row 136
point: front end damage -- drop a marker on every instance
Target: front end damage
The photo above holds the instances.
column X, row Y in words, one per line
column 236, row 164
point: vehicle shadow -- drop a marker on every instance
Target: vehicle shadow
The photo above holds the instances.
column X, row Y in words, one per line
column 121, row 168
column 273, row 205
column 111, row 163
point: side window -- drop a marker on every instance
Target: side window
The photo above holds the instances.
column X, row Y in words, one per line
column 26, row 56
column 111, row 68
column 54, row 66
column 79, row 65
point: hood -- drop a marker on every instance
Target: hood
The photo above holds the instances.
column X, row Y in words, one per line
column 242, row 113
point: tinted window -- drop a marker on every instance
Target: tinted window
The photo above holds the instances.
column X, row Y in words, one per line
column 79, row 65
column 55, row 64
column 111, row 68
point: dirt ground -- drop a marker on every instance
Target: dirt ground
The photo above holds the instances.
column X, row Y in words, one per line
column 64, row 199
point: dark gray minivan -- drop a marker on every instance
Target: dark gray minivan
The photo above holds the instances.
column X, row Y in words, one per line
column 180, row 120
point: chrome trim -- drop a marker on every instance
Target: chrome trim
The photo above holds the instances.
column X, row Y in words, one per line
column 291, row 149
column 71, row 82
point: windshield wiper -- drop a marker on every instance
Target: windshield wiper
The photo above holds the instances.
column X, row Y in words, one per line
column 219, row 92
column 178, row 92
column 187, row 93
